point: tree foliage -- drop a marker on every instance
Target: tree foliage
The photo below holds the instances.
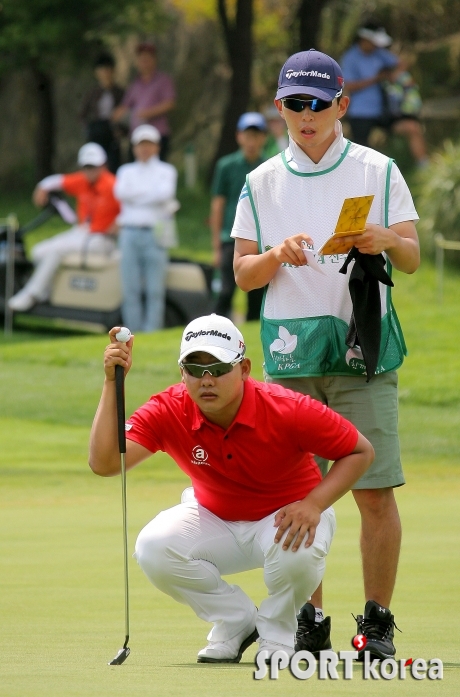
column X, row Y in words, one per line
column 47, row 31
column 44, row 35
column 438, row 202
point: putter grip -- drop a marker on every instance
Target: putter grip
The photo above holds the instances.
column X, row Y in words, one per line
column 120, row 392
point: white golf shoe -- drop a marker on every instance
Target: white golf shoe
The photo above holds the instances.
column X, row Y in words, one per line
column 22, row 301
column 271, row 646
column 229, row 651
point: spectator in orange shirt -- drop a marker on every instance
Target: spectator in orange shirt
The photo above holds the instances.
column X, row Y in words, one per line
column 97, row 209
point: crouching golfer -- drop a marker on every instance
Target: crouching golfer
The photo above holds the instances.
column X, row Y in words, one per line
column 259, row 501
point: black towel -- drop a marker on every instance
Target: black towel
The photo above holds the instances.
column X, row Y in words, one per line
column 365, row 326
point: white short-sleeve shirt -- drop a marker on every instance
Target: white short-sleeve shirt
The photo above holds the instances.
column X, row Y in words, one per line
column 401, row 205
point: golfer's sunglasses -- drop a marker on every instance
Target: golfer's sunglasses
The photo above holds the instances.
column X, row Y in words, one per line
column 214, row 369
column 298, row 105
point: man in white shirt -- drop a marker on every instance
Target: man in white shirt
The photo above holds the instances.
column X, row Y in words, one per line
column 146, row 190
column 290, row 203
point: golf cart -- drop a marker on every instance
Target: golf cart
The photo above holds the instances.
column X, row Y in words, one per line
column 86, row 288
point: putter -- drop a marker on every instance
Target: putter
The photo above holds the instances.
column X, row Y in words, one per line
column 124, row 652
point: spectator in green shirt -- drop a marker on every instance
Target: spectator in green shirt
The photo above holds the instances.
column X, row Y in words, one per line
column 277, row 133
column 229, row 178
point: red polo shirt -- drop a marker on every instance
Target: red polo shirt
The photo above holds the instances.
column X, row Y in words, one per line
column 96, row 204
column 261, row 462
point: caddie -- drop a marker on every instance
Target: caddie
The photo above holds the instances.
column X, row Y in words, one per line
column 259, row 500
column 293, row 201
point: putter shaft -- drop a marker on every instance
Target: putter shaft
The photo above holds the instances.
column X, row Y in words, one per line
column 123, row 653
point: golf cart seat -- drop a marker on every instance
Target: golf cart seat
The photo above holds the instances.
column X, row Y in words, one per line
column 181, row 275
column 82, row 260
column 89, row 281
column 92, row 281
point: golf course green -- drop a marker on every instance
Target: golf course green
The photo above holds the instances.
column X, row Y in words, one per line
column 61, row 554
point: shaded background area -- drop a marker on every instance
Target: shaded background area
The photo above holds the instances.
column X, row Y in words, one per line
column 224, row 55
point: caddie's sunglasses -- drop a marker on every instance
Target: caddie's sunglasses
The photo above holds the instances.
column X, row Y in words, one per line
column 298, row 105
column 214, row 369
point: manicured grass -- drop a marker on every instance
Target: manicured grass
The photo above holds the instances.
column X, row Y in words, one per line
column 60, row 526
column 62, row 599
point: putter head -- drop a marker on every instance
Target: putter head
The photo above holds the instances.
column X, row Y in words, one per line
column 121, row 657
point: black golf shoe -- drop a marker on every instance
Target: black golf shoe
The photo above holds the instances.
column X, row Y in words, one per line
column 312, row 636
column 377, row 625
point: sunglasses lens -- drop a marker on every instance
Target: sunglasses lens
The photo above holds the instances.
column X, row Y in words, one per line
column 221, row 369
column 214, row 369
column 299, row 105
column 319, row 105
column 296, row 105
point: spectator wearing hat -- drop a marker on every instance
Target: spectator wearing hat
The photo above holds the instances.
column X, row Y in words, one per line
column 97, row 209
column 150, row 98
column 368, row 66
column 229, row 177
column 277, row 139
column 146, row 190
column 97, row 109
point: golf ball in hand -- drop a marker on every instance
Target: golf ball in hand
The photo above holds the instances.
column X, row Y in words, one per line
column 123, row 335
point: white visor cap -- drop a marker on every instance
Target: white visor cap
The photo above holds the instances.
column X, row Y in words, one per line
column 215, row 335
column 378, row 37
column 145, row 132
column 92, row 154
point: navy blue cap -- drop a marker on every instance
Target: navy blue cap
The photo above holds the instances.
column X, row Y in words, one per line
column 252, row 119
column 310, row 72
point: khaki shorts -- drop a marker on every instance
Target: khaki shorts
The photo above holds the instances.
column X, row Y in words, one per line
column 372, row 407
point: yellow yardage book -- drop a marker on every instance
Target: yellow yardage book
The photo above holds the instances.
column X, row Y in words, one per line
column 352, row 221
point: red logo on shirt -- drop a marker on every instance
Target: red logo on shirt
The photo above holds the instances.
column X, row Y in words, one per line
column 199, row 456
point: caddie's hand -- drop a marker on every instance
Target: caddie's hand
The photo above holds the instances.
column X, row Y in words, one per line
column 40, row 197
column 375, row 240
column 291, row 250
column 301, row 520
column 117, row 353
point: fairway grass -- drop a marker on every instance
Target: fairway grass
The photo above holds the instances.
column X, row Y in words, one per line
column 62, row 587
column 61, row 562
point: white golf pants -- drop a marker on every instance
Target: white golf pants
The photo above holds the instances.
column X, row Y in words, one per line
column 48, row 254
column 186, row 549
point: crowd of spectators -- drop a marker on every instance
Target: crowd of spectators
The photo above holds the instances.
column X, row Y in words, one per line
column 141, row 193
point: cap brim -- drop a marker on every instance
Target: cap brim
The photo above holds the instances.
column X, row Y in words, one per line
column 256, row 126
column 136, row 141
column 327, row 94
column 382, row 41
column 223, row 355
column 87, row 163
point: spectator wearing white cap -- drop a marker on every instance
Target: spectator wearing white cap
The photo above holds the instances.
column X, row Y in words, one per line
column 97, row 209
column 146, row 190
column 368, row 67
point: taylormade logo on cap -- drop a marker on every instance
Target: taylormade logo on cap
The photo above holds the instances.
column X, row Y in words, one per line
column 312, row 73
column 215, row 335
column 211, row 332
